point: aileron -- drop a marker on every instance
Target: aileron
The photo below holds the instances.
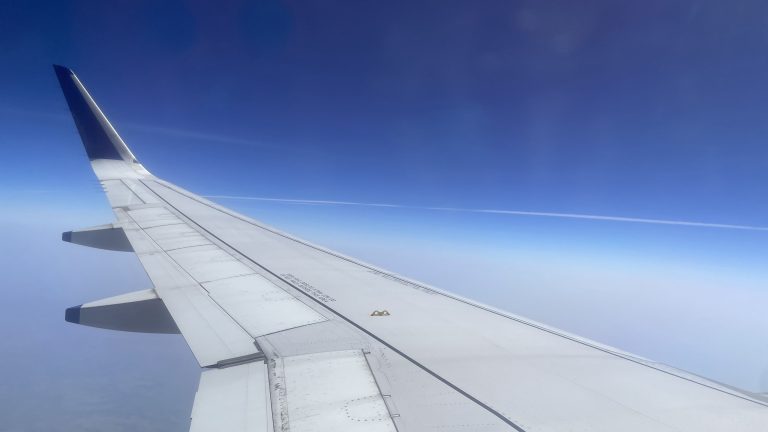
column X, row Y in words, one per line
column 211, row 334
column 234, row 399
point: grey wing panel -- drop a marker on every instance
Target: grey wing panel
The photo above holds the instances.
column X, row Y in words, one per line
column 331, row 391
column 219, row 303
column 211, row 295
column 234, row 399
column 324, row 392
column 528, row 376
column 210, row 332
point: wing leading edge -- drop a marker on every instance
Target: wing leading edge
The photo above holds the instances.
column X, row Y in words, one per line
column 286, row 330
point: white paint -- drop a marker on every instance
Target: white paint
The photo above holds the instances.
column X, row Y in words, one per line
column 333, row 392
column 149, row 217
column 130, row 297
column 208, row 263
column 259, row 306
column 178, row 236
column 234, row 399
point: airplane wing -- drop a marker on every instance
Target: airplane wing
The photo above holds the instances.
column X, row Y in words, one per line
column 293, row 337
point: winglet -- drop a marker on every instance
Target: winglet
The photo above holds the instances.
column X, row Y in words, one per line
column 100, row 139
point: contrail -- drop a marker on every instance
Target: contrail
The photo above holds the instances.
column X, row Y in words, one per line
column 508, row 212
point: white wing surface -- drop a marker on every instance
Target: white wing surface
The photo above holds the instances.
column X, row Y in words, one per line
column 294, row 337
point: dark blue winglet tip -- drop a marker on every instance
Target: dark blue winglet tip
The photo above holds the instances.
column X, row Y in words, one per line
column 67, row 236
column 98, row 137
column 73, row 314
column 62, row 70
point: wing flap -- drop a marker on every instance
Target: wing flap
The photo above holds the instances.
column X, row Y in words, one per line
column 234, row 399
column 212, row 335
column 219, row 304
column 210, row 332
column 333, row 392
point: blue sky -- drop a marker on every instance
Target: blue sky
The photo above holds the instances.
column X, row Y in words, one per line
column 649, row 110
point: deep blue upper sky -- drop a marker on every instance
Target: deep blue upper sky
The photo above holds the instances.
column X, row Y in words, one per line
column 652, row 109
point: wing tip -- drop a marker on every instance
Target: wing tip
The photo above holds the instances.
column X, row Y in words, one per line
column 61, row 69
column 101, row 141
column 63, row 73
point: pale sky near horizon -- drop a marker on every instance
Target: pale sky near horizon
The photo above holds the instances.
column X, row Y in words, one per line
column 652, row 111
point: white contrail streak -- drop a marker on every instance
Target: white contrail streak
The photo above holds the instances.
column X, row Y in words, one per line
column 507, row 212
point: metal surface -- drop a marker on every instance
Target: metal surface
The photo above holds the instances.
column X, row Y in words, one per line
column 235, row 399
column 332, row 391
column 259, row 306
